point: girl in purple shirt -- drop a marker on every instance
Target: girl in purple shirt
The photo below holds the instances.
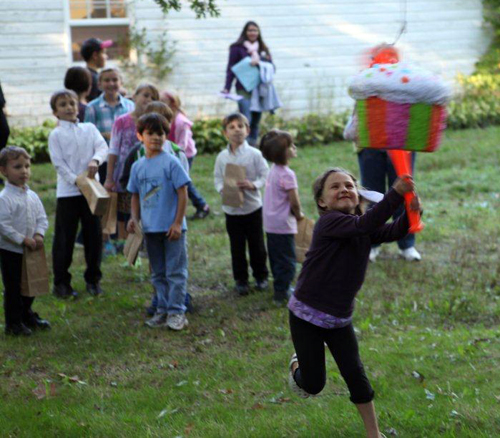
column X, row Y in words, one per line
column 281, row 210
column 332, row 274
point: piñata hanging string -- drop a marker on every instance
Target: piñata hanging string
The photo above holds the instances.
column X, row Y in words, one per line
column 403, row 9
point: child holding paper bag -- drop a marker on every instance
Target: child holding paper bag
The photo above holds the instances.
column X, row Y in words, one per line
column 243, row 221
column 74, row 148
column 23, row 223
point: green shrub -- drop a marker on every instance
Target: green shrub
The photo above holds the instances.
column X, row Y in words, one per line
column 477, row 104
column 34, row 140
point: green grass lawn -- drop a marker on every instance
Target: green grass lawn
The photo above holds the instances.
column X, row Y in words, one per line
column 428, row 331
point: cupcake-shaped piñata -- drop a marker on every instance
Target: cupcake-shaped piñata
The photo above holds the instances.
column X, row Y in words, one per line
column 399, row 106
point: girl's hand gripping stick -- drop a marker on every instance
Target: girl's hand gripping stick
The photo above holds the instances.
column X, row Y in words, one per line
column 401, row 161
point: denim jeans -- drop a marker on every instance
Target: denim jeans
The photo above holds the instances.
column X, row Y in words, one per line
column 197, row 200
column 253, row 118
column 377, row 173
column 169, row 268
column 281, row 250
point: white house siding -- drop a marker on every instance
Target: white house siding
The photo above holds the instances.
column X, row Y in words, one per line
column 315, row 45
column 33, row 56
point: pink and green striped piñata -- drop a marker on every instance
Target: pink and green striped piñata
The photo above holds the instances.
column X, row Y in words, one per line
column 390, row 125
column 399, row 106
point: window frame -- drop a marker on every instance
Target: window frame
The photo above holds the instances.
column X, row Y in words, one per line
column 92, row 22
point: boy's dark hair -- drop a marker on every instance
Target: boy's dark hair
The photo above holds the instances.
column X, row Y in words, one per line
column 77, row 79
column 162, row 109
column 319, row 185
column 12, row 153
column 92, row 45
column 274, row 146
column 232, row 117
column 153, row 122
column 62, row 93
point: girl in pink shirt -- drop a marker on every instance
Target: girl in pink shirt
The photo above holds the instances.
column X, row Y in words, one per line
column 281, row 210
column 182, row 135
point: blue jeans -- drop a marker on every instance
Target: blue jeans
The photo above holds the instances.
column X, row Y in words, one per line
column 281, row 250
column 197, row 200
column 169, row 268
column 377, row 173
column 253, row 118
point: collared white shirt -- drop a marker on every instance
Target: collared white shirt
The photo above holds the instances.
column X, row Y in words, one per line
column 21, row 215
column 256, row 171
column 72, row 146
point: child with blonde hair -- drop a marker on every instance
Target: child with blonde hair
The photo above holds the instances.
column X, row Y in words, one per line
column 334, row 270
column 182, row 135
column 23, row 224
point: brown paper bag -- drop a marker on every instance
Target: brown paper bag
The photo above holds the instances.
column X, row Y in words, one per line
column 109, row 219
column 96, row 195
column 35, row 274
column 232, row 195
column 303, row 238
column 133, row 245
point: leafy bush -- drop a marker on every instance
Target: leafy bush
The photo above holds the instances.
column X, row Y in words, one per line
column 477, row 104
column 34, row 140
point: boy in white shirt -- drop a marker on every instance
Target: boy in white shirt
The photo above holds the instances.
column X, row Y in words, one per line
column 23, row 223
column 244, row 224
column 74, row 147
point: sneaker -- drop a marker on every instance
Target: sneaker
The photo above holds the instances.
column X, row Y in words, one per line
column 109, row 249
column 410, row 254
column 18, row 330
column 374, row 253
column 261, row 285
column 281, row 297
column 177, row 321
column 201, row 214
column 64, row 291
column 94, row 289
column 291, row 381
column 242, row 288
column 159, row 320
column 34, row 322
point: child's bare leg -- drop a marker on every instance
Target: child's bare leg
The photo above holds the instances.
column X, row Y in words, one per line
column 367, row 412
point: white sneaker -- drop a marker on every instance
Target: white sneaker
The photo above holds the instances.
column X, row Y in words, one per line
column 157, row 321
column 410, row 254
column 177, row 321
column 291, row 381
column 374, row 253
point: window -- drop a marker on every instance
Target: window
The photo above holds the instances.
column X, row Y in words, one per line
column 103, row 19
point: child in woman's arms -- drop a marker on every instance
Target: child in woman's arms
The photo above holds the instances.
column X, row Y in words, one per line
column 23, row 223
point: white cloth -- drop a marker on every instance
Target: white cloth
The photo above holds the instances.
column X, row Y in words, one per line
column 21, row 215
column 264, row 96
column 256, row 172
column 72, row 146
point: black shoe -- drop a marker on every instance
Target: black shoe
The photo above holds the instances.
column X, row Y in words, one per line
column 280, row 297
column 64, row 291
column 201, row 214
column 242, row 288
column 35, row 322
column 261, row 285
column 94, row 289
column 18, row 330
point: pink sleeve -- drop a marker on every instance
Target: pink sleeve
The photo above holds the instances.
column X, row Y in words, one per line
column 288, row 181
column 184, row 139
column 116, row 137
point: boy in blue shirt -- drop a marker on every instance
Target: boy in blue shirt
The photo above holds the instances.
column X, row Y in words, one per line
column 158, row 184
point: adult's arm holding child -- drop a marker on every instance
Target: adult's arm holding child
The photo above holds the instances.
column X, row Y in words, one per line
column 175, row 230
